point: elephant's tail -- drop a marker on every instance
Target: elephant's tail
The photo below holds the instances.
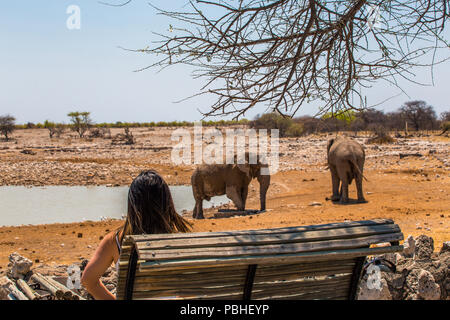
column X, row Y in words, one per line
column 355, row 165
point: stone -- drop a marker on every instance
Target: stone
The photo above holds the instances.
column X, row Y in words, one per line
column 424, row 247
column 409, row 246
column 20, row 266
column 374, row 292
column 428, row 289
column 315, row 204
column 445, row 247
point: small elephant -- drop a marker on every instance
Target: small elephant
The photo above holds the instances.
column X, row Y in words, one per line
column 346, row 162
column 230, row 179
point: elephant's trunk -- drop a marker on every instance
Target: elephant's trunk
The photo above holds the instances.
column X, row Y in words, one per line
column 264, row 183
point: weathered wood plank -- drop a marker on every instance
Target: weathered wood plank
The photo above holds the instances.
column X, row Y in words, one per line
column 278, row 249
column 199, row 235
column 26, row 289
column 305, row 292
column 46, row 285
column 17, row 294
column 221, row 289
column 264, row 268
column 282, row 258
column 238, row 280
column 262, row 274
column 68, row 294
column 281, row 238
column 330, row 294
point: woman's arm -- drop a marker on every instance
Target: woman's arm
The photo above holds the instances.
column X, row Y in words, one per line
column 101, row 260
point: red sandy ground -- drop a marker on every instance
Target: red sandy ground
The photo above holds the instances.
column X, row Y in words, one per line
column 417, row 200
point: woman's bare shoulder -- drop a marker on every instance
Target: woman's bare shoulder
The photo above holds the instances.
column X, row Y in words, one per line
column 108, row 240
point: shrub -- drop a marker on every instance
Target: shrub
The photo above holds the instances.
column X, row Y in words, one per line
column 381, row 136
column 271, row 121
column 295, row 130
column 100, row 132
column 7, row 125
column 445, row 126
column 53, row 128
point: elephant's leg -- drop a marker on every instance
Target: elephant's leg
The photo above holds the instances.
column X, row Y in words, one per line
column 264, row 183
column 335, row 184
column 244, row 194
column 359, row 188
column 235, row 196
column 194, row 212
column 198, row 209
column 342, row 172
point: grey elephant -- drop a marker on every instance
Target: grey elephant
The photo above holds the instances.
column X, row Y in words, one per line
column 346, row 162
column 229, row 179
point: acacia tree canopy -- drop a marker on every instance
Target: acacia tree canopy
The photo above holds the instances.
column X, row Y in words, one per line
column 7, row 125
column 285, row 53
column 81, row 122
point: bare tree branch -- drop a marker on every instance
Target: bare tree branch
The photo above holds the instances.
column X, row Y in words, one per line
column 285, row 53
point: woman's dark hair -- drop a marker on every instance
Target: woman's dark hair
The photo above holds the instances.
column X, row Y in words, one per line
column 150, row 207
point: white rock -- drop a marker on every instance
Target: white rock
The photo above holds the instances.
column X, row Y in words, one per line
column 409, row 246
column 315, row 204
column 20, row 266
column 374, row 292
column 428, row 288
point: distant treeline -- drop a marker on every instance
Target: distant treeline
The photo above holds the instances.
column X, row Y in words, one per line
column 412, row 116
column 119, row 124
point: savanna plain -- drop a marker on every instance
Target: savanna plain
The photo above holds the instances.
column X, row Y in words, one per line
column 407, row 181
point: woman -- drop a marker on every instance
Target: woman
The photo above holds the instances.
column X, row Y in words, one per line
column 150, row 210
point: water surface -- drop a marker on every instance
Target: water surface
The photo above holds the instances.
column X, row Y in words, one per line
column 64, row 204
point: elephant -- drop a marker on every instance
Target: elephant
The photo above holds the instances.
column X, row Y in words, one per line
column 346, row 162
column 210, row 180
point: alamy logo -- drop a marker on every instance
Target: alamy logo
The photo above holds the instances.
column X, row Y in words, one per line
column 73, row 22
column 212, row 147
column 74, row 279
column 374, row 277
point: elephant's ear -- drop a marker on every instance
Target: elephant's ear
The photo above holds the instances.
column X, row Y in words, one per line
column 330, row 143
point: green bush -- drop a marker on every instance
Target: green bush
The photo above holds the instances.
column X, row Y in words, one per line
column 295, row 130
column 445, row 126
column 271, row 121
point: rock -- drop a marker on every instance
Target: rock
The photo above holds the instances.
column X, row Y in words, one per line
column 379, row 291
column 445, row 247
column 424, row 247
column 409, row 247
column 20, row 266
column 29, row 152
column 83, row 264
column 315, row 204
column 428, row 289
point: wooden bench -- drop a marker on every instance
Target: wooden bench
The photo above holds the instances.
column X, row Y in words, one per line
column 305, row 262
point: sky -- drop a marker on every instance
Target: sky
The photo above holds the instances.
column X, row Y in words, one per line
column 48, row 70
